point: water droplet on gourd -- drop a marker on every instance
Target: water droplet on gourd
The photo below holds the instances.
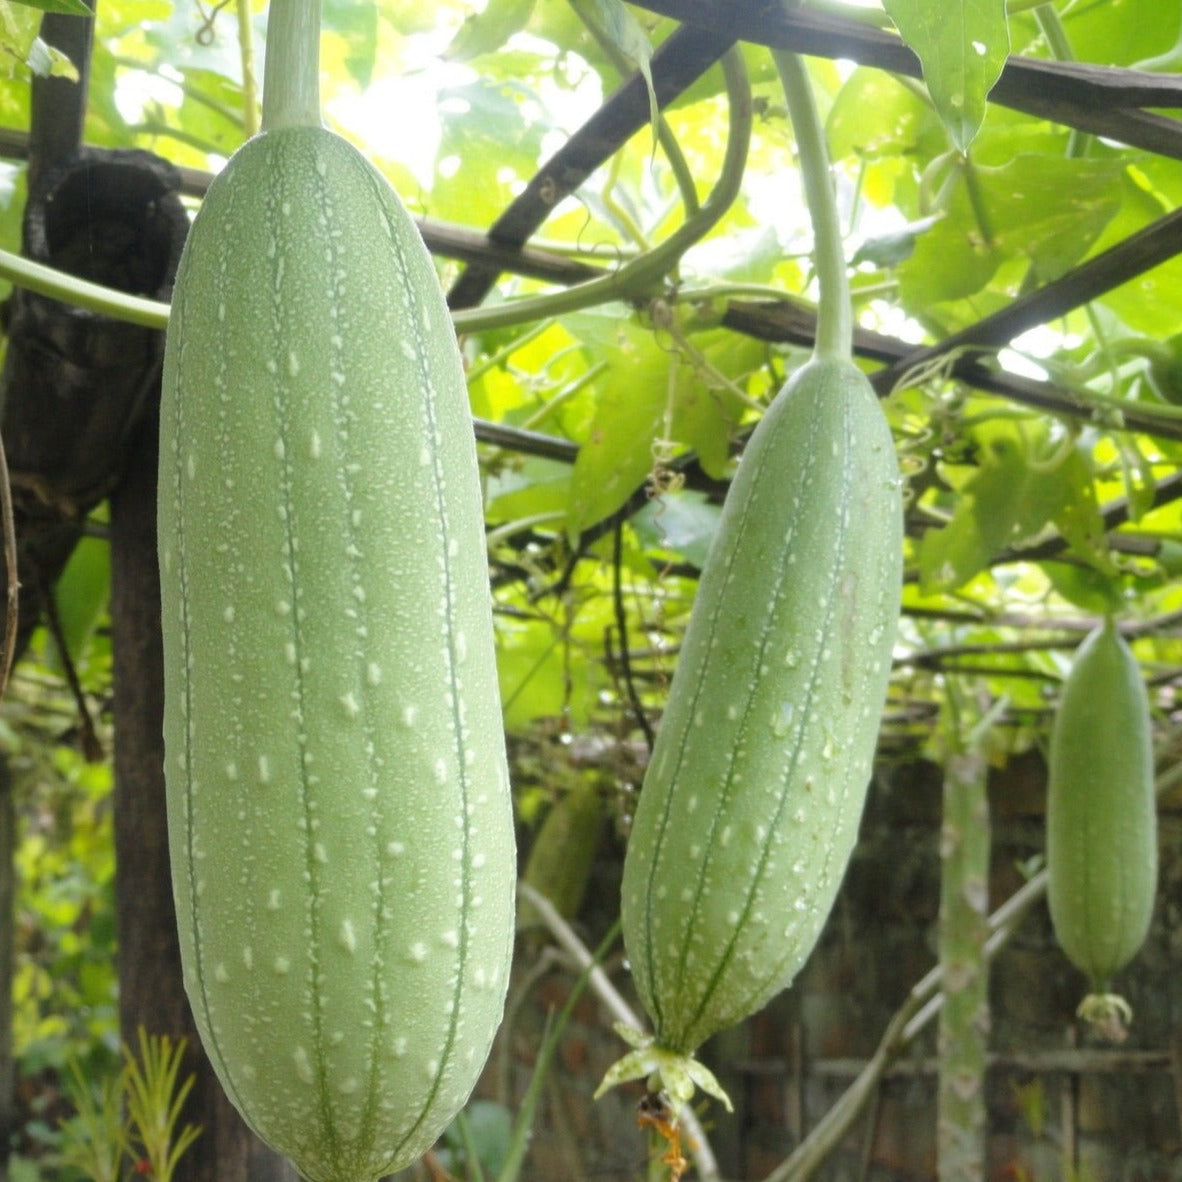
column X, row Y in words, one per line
column 782, row 722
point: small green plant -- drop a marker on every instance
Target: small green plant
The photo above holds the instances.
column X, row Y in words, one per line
column 131, row 1117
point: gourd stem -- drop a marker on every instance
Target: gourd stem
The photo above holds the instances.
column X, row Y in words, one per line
column 291, row 65
column 835, row 334
column 250, row 88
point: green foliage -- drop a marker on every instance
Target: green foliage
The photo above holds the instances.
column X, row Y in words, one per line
column 129, row 1124
column 64, row 989
column 22, row 52
column 963, row 46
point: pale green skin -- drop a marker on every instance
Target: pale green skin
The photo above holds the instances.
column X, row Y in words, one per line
column 1101, row 809
column 338, row 798
column 751, row 803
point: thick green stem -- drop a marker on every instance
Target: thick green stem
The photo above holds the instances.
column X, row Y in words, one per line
column 81, row 293
column 963, row 934
column 291, row 65
column 250, row 89
column 1051, row 27
column 835, row 332
column 639, row 278
column 682, row 173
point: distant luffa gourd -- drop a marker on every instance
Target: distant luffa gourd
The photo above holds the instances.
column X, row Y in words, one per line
column 339, row 812
column 1102, row 818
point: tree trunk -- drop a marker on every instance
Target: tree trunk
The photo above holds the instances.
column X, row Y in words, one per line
column 151, row 993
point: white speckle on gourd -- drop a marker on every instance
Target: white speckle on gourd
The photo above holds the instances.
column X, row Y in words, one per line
column 303, row 1065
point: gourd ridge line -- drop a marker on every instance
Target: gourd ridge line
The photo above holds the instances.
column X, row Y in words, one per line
column 278, row 399
column 841, row 531
column 723, row 804
column 182, row 568
column 459, row 726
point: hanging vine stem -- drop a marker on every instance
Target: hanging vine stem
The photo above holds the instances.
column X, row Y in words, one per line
column 637, row 278
column 962, row 932
column 250, row 85
column 835, row 328
column 634, row 280
column 682, row 172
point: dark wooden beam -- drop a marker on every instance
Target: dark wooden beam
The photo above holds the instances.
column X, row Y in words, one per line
column 677, row 64
column 1103, row 100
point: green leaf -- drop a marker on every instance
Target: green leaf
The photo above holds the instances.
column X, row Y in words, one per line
column 951, row 555
column 1086, row 587
column 81, row 596
column 652, row 404
column 1047, row 209
column 65, row 7
column 20, row 43
column 357, row 25
column 1079, row 518
column 622, row 30
column 1019, row 490
column 47, row 61
column 962, row 45
column 492, row 134
column 893, row 247
column 1012, row 499
column 683, row 522
column 874, row 116
column 485, row 32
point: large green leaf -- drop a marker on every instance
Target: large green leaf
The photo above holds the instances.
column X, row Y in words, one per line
column 962, row 45
column 1025, row 483
column 1045, row 209
column 682, row 523
column 65, row 7
column 357, row 27
column 486, row 31
column 491, row 143
column 654, row 401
